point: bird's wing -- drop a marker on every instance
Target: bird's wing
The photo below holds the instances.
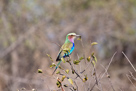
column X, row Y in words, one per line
column 64, row 51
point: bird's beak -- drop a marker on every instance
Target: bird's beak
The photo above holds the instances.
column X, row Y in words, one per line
column 78, row 37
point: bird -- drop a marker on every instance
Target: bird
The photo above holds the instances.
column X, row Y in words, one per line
column 66, row 49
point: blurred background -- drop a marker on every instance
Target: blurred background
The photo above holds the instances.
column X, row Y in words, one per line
column 29, row 29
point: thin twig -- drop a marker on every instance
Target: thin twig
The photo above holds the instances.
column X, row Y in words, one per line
column 109, row 78
column 96, row 78
column 128, row 76
column 95, row 74
column 100, row 85
column 103, row 73
column 129, row 61
column 71, row 89
column 80, row 63
column 108, row 65
column 76, row 85
column 83, row 50
column 121, row 89
column 92, row 87
column 74, row 70
column 132, row 75
column 86, row 67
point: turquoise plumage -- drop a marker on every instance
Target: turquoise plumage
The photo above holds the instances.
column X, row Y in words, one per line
column 66, row 49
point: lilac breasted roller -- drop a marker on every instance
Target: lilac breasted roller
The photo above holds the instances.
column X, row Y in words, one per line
column 66, row 49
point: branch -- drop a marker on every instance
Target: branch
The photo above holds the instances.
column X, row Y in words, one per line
column 86, row 67
column 129, row 61
column 128, row 76
column 109, row 78
column 83, row 50
column 103, row 73
column 109, row 65
column 132, row 75
column 60, row 84
column 76, row 85
column 74, row 70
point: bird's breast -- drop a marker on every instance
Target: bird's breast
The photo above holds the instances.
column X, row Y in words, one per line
column 72, row 48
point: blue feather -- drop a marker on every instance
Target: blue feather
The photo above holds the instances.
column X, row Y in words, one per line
column 72, row 48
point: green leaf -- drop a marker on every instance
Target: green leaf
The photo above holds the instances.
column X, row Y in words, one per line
column 88, row 59
column 81, row 58
column 61, row 67
column 95, row 59
column 40, row 71
column 70, row 81
column 58, row 84
column 63, row 60
column 50, row 57
column 93, row 62
column 63, row 77
column 92, row 54
column 52, row 65
column 67, row 71
column 94, row 43
column 58, row 72
column 76, row 62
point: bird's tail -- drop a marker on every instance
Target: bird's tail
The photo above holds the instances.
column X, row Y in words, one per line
column 56, row 67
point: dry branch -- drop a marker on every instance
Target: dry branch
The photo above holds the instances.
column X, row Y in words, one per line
column 129, row 61
column 103, row 73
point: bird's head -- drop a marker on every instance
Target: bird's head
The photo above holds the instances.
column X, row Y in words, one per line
column 71, row 37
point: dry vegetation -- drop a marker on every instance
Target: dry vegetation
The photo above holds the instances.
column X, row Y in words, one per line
column 30, row 29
